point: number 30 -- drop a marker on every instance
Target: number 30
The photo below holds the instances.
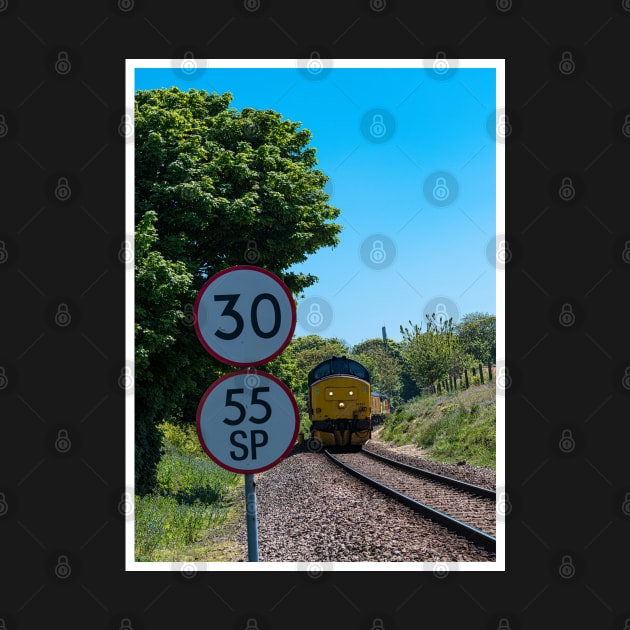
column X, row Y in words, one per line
column 229, row 311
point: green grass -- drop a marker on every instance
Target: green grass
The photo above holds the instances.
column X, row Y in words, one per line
column 450, row 427
column 193, row 497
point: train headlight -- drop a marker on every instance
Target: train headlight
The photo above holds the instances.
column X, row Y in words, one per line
column 341, row 405
column 351, row 393
column 330, row 393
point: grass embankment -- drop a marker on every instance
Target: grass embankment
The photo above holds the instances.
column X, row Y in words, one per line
column 194, row 497
column 450, row 427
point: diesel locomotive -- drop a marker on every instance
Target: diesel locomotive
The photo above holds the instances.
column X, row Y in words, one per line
column 340, row 404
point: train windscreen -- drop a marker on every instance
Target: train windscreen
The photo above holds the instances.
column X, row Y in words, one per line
column 338, row 365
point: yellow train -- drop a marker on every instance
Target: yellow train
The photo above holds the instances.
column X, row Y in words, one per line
column 340, row 404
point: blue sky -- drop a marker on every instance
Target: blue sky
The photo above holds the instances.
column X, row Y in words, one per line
column 411, row 156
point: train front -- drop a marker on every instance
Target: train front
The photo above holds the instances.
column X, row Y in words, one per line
column 339, row 403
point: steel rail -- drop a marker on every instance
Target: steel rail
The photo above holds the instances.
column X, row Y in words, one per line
column 477, row 536
column 486, row 493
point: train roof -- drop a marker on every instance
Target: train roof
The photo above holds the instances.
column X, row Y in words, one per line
column 381, row 396
column 336, row 366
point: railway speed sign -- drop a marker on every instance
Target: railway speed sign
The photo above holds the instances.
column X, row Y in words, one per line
column 244, row 316
column 247, row 421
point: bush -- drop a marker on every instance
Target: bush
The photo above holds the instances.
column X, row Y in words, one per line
column 187, row 499
column 451, row 427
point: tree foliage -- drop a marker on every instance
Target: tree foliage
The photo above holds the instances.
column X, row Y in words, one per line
column 435, row 353
column 385, row 363
column 308, row 351
column 229, row 186
column 477, row 334
column 215, row 187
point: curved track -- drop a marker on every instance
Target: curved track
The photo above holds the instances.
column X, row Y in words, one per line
column 462, row 507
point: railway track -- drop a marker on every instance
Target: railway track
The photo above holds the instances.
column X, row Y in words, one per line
column 464, row 508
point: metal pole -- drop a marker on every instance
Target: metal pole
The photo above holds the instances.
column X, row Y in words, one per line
column 252, row 522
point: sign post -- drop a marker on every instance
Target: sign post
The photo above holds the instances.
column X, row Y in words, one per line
column 252, row 520
column 247, row 421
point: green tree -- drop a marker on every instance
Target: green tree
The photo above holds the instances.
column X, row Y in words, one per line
column 385, row 364
column 215, row 187
column 477, row 334
column 160, row 288
column 429, row 354
column 308, row 351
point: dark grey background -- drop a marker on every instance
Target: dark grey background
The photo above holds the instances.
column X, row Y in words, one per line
column 569, row 501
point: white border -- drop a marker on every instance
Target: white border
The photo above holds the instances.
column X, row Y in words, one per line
column 190, row 568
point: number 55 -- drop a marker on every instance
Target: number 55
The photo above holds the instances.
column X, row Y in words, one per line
column 229, row 402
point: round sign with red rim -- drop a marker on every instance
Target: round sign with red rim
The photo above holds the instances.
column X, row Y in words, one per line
column 244, row 316
column 247, row 421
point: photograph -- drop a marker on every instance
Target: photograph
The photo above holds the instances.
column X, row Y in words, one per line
column 315, row 371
